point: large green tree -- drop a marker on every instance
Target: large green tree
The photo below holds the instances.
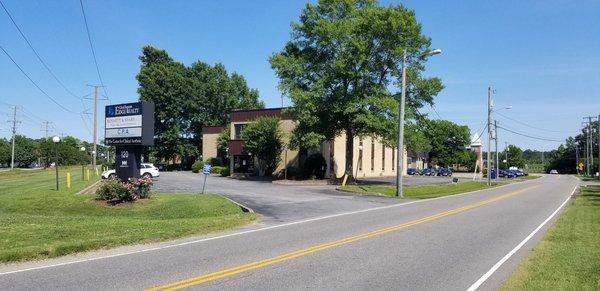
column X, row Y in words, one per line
column 26, row 151
column 515, row 157
column 564, row 158
column 448, row 142
column 264, row 141
column 342, row 71
column 187, row 99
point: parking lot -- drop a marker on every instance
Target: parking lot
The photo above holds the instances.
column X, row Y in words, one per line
column 279, row 203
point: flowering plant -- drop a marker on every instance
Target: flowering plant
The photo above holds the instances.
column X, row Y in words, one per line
column 141, row 186
column 116, row 191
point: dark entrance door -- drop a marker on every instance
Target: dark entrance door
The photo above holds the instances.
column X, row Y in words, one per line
column 243, row 164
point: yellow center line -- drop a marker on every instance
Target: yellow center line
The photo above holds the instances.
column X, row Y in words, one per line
column 324, row 246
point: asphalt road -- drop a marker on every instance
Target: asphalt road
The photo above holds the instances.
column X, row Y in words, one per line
column 447, row 243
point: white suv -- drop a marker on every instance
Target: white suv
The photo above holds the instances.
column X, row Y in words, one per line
column 146, row 170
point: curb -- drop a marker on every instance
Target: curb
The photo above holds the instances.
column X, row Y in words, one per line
column 242, row 206
column 84, row 190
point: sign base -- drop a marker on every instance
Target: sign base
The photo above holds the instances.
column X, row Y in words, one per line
column 128, row 162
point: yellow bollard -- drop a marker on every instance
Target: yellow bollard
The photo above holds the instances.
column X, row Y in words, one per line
column 344, row 180
column 68, row 180
column 96, row 171
column 88, row 174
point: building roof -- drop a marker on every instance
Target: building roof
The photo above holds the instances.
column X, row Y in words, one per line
column 249, row 114
column 476, row 140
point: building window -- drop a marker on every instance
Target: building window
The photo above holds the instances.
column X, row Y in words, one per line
column 360, row 154
column 383, row 157
column 238, row 130
column 372, row 154
column 393, row 158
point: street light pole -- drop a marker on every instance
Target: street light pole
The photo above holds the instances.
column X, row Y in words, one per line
column 400, row 149
column 400, row 154
column 56, row 140
column 489, row 124
column 496, row 142
column 82, row 163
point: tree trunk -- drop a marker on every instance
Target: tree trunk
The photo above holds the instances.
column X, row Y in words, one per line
column 349, row 153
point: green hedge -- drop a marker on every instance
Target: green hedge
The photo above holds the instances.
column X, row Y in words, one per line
column 197, row 166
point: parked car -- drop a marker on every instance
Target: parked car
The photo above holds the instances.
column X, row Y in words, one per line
column 429, row 172
column 445, row 172
column 413, row 171
column 146, row 171
column 553, row 171
column 506, row 174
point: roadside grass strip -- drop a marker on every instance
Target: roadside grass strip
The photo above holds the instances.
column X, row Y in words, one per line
column 325, row 246
column 37, row 222
column 421, row 192
column 568, row 257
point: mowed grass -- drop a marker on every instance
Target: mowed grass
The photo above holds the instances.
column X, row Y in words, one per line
column 36, row 221
column 421, row 192
column 568, row 257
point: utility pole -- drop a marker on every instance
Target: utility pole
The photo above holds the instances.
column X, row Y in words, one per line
column 46, row 128
column 496, row 141
column 489, row 125
column 587, row 148
column 506, row 153
column 95, row 133
column 590, row 146
column 598, row 145
column 543, row 169
column 577, row 158
column 14, row 133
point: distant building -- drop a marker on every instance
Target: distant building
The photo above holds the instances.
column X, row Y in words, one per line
column 371, row 157
column 477, row 147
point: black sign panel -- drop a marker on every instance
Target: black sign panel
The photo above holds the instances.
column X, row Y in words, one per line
column 128, row 162
column 129, row 124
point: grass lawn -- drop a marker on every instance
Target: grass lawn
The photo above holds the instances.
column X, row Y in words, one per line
column 36, row 221
column 568, row 257
column 421, row 192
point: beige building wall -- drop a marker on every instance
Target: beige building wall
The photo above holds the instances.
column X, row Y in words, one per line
column 209, row 145
column 377, row 160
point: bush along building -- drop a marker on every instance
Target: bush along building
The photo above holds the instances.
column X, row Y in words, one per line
column 371, row 157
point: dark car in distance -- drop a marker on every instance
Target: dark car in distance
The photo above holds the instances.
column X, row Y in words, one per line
column 429, row 172
column 413, row 171
column 445, row 172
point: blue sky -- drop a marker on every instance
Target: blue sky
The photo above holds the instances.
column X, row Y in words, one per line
column 542, row 57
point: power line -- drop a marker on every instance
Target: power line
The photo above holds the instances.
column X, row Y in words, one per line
column 34, row 83
column 35, row 51
column 436, row 113
column 525, row 124
column 530, row 136
column 87, row 29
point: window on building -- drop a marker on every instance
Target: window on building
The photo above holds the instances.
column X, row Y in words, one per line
column 372, row 154
column 393, row 158
column 238, row 131
column 383, row 157
column 360, row 154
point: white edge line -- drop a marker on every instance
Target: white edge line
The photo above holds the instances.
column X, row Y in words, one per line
column 494, row 268
column 256, row 230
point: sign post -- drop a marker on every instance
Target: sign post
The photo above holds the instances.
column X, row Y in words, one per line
column 130, row 128
column 206, row 171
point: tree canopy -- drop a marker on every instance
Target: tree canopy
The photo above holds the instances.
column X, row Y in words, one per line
column 515, row 157
column 187, row 98
column 342, row 71
column 264, row 140
column 448, row 142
